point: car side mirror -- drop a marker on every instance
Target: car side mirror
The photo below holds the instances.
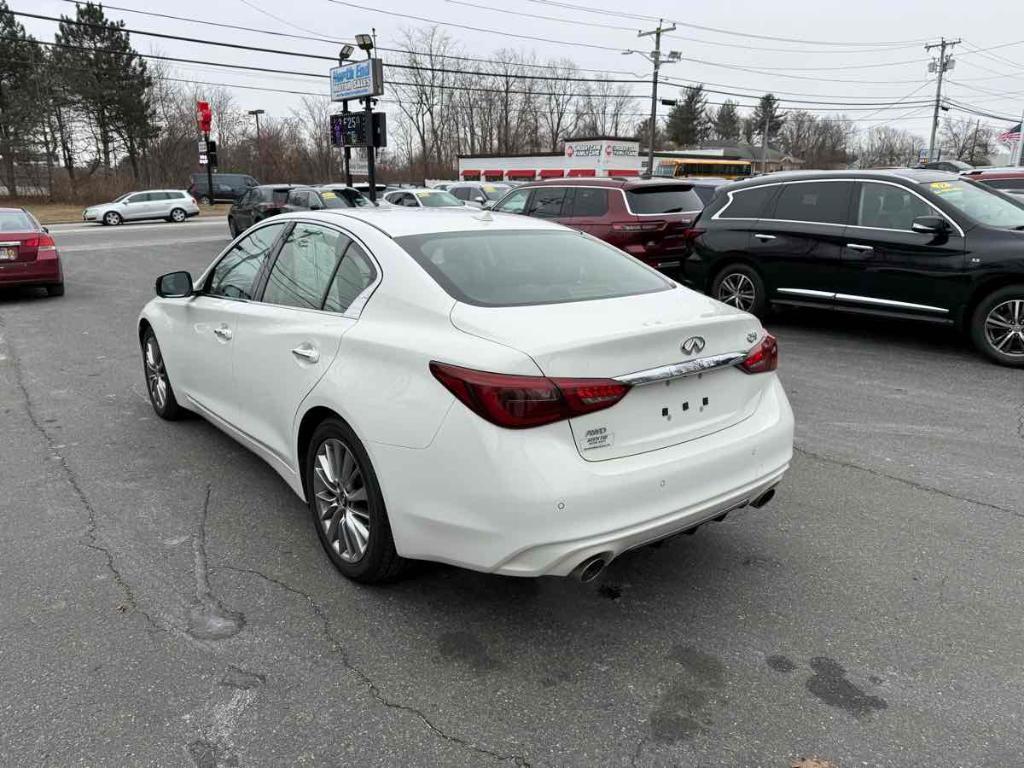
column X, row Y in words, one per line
column 46, row 230
column 930, row 225
column 480, row 199
column 487, row 205
column 316, row 207
column 174, row 285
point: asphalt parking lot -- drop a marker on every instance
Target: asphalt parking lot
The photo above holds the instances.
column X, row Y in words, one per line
column 869, row 616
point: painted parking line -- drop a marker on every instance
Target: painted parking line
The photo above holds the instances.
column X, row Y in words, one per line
column 56, row 230
column 141, row 244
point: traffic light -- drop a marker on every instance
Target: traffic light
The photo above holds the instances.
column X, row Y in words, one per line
column 204, row 116
column 211, row 153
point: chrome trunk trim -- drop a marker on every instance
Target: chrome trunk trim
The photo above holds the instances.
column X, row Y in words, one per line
column 681, row 370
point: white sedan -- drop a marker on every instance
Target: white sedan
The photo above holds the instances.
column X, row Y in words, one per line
column 497, row 392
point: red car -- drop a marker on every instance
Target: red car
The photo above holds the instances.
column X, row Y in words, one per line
column 1008, row 180
column 647, row 218
column 28, row 255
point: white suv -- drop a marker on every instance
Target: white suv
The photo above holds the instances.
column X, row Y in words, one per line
column 171, row 204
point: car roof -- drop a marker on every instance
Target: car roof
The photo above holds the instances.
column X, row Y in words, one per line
column 613, row 182
column 989, row 173
column 399, row 222
column 911, row 175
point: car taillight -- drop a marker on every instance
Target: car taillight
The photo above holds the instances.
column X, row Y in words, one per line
column 520, row 402
column 638, row 226
column 764, row 357
column 692, row 233
column 41, row 242
column 194, row 201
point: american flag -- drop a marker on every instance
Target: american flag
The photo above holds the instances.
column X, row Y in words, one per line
column 1010, row 135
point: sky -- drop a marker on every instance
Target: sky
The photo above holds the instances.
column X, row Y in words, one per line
column 868, row 55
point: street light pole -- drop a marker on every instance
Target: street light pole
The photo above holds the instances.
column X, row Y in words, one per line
column 259, row 139
column 941, row 66
column 366, row 43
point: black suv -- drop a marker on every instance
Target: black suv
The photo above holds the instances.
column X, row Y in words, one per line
column 227, row 187
column 910, row 243
column 257, row 204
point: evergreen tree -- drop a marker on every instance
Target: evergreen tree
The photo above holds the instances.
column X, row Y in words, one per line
column 20, row 59
column 726, row 123
column 688, row 123
column 767, row 111
column 109, row 81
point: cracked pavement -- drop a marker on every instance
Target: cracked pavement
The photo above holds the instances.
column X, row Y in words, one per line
column 869, row 616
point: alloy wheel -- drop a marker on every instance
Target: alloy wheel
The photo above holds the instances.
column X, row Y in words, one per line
column 341, row 499
column 1004, row 328
column 178, row 215
column 737, row 290
column 113, row 219
column 156, row 374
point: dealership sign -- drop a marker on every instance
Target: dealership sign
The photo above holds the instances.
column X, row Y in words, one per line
column 357, row 80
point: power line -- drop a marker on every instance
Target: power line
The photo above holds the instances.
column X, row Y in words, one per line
column 584, row 9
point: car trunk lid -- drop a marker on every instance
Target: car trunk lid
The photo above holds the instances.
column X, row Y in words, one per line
column 615, row 337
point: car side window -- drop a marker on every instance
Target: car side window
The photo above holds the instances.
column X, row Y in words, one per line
column 235, row 274
column 589, row 202
column 820, row 202
column 139, row 198
column 884, row 206
column 461, row 192
column 354, row 274
column 298, row 198
column 514, row 203
column 304, row 267
column 546, row 202
column 748, row 203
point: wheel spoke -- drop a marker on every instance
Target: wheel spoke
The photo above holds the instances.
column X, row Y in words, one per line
column 348, row 467
column 326, row 471
column 360, row 533
column 357, row 495
column 332, row 526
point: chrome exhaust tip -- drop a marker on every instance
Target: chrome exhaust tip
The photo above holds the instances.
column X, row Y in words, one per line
column 589, row 569
column 763, row 499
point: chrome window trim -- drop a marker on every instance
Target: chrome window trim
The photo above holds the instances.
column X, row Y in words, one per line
column 927, row 202
column 631, row 212
column 683, row 369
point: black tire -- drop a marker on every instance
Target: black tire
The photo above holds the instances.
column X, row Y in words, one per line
column 168, row 408
column 55, row 289
column 735, row 283
column 379, row 562
column 205, row 200
column 178, row 215
column 232, row 228
column 997, row 315
column 112, row 219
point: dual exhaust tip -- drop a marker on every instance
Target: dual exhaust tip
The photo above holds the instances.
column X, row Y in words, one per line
column 592, row 567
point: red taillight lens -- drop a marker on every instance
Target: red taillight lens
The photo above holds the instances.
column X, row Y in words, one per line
column 638, row 226
column 520, row 402
column 40, row 242
column 692, row 233
column 764, row 357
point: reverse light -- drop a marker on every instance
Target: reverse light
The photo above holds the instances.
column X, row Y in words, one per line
column 43, row 243
column 762, row 358
column 521, row 402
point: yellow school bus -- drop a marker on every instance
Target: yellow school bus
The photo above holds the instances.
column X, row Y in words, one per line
column 702, row 166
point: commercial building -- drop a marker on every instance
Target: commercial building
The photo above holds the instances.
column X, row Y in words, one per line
column 581, row 157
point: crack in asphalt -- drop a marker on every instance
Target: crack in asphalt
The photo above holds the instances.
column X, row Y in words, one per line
column 911, row 483
column 365, row 679
column 92, row 527
column 209, row 619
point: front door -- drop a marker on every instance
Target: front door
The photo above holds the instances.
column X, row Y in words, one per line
column 212, row 323
column 136, row 206
column 289, row 338
column 799, row 244
column 893, row 268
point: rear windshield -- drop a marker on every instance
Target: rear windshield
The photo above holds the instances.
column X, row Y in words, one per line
column 662, row 199
column 517, row 268
column 275, row 196
column 16, row 221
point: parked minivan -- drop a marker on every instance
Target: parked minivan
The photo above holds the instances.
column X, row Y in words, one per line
column 903, row 243
column 227, row 187
column 644, row 217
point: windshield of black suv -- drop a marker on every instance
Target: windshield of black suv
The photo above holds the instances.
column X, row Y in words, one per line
column 980, row 204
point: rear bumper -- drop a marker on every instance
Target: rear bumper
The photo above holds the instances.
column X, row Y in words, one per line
column 524, row 503
column 39, row 272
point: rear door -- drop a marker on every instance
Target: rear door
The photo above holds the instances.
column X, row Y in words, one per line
column 891, row 268
column 547, row 203
column 586, row 209
column 799, row 245
column 291, row 336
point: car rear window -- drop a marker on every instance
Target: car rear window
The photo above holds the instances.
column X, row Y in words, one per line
column 16, row 221
column 514, row 268
column 277, row 196
column 662, row 199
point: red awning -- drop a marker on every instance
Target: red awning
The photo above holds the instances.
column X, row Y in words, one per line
column 581, row 172
column 471, row 174
column 499, row 174
column 551, row 173
column 623, row 172
column 522, row 174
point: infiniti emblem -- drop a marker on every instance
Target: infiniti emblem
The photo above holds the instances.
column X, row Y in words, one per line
column 692, row 345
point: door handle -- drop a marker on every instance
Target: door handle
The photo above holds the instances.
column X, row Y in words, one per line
column 859, row 247
column 223, row 332
column 308, row 353
column 759, row 236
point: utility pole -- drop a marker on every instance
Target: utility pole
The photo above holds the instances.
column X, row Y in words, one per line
column 974, row 140
column 764, row 142
column 944, row 62
column 259, row 139
column 655, row 58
